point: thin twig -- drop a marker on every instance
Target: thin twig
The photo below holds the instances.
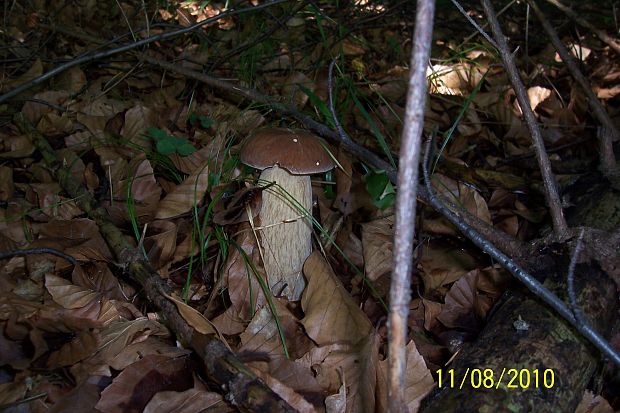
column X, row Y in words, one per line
column 474, row 23
column 32, row 251
column 282, row 109
column 610, row 41
column 570, row 281
column 131, row 46
column 409, row 159
column 551, row 190
column 330, row 93
column 608, row 160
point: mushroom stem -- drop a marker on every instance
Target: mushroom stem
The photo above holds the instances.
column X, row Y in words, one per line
column 286, row 232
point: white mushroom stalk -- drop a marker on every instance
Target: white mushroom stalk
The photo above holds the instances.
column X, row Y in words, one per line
column 287, row 157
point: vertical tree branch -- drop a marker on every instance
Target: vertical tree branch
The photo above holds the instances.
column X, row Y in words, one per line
column 551, row 189
column 608, row 160
column 406, row 203
column 610, row 41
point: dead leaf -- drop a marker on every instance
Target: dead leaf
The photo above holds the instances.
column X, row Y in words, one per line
column 138, row 383
column 194, row 318
column 68, row 295
column 188, row 401
column 418, row 380
column 331, row 314
column 378, row 244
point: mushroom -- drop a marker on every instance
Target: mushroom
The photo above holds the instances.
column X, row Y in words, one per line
column 287, row 157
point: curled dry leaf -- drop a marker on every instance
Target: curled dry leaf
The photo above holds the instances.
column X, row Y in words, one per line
column 137, row 120
column 537, row 95
column 458, row 311
column 378, row 244
column 160, row 242
column 138, row 383
column 355, row 365
column 198, row 165
column 186, row 195
column 331, row 314
column 293, row 398
column 150, row 345
column 262, row 334
column 15, row 147
column 233, row 210
column 418, row 381
column 188, row 401
column 244, row 289
column 35, row 110
column 68, row 295
column 459, row 79
column 81, row 347
column 442, row 265
column 194, row 318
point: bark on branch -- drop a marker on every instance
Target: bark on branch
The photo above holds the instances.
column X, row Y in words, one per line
column 245, row 390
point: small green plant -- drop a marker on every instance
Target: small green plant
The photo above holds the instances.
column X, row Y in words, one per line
column 205, row 122
column 321, row 107
column 168, row 144
column 380, row 189
column 395, row 50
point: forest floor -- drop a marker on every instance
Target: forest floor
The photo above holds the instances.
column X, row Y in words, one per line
column 132, row 156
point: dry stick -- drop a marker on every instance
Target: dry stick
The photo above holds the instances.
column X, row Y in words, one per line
column 476, row 25
column 332, row 108
column 610, row 41
column 608, row 160
column 321, row 129
column 479, row 29
column 551, row 190
column 400, row 286
column 528, row 280
column 570, row 281
column 245, row 390
column 89, row 57
column 32, row 251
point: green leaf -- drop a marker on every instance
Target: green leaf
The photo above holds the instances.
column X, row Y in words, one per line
column 373, row 127
column 319, row 104
column 185, row 149
column 375, row 183
column 166, row 147
column 385, row 202
column 157, row 133
column 167, row 144
column 205, row 121
column 380, row 189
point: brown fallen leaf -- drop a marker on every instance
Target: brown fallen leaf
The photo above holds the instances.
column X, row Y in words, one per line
column 331, row 314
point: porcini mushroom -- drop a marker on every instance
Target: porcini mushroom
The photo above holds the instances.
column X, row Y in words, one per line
column 287, row 157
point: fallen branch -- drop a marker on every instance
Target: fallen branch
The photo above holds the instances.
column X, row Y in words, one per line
column 32, row 251
column 244, row 389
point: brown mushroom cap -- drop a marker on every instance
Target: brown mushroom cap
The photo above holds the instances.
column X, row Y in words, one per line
column 296, row 150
